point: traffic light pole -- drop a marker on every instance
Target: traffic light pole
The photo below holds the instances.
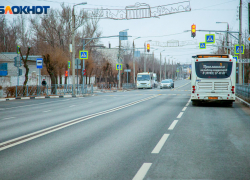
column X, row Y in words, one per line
column 119, row 59
column 240, row 33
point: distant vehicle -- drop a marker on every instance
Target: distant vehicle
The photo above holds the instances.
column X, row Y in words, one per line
column 172, row 82
column 213, row 78
column 155, row 80
column 145, row 80
column 166, row 84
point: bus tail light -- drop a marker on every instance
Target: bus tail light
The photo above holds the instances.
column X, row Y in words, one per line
column 232, row 89
column 193, row 89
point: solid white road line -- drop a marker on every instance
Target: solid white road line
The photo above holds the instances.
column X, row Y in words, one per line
column 184, row 108
column 179, row 116
column 34, row 135
column 8, row 118
column 160, row 144
column 171, row 127
column 47, row 111
column 142, row 171
column 72, row 105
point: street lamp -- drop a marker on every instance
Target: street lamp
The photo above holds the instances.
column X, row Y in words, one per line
column 154, row 60
column 73, row 45
column 119, row 73
column 160, row 64
column 227, row 32
column 165, row 74
column 134, row 57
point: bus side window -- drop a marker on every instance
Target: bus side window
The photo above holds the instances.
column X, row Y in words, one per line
column 190, row 76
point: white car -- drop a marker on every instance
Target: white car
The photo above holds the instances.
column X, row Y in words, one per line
column 165, row 84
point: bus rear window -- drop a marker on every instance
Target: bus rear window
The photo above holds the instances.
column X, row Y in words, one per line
column 214, row 69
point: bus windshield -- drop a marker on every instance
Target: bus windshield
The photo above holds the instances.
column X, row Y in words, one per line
column 143, row 78
column 213, row 69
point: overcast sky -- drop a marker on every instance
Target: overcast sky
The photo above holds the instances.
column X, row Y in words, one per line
column 204, row 13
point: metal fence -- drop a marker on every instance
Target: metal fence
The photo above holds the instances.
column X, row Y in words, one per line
column 243, row 91
column 48, row 90
column 128, row 86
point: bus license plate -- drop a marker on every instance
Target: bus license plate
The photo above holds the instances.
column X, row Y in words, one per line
column 212, row 97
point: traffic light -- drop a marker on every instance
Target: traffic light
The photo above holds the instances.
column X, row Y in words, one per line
column 84, row 72
column 66, row 73
column 148, row 47
column 18, row 49
column 193, row 30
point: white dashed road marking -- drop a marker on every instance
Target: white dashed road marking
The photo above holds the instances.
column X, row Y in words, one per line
column 171, row 127
column 142, row 171
column 160, row 144
column 184, row 108
column 179, row 116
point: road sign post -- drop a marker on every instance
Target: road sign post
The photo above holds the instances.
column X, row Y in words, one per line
column 83, row 55
column 210, row 38
column 202, row 45
column 127, row 70
column 237, row 49
column 39, row 65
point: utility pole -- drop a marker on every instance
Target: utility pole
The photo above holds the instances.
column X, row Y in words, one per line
column 153, row 61
column 227, row 37
column 160, row 66
column 134, row 61
column 145, row 57
column 240, row 34
column 165, row 69
column 172, row 70
column 119, row 59
column 73, row 50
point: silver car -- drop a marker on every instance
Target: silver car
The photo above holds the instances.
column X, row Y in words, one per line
column 165, row 84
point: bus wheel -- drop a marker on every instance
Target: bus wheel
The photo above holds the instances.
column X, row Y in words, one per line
column 194, row 103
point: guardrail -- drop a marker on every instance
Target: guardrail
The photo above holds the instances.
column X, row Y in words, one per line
column 48, row 90
column 243, row 91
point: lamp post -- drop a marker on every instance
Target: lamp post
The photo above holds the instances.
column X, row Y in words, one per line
column 160, row 64
column 134, row 58
column 73, row 45
column 165, row 74
column 145, row 47
column 227, row 32
column 154, row 60
column 119, row 71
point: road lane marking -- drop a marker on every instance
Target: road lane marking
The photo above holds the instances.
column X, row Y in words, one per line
column 47, row 111
column 1, row 109
column 142, row 171
column 160, row 144
column 179, row 116
column 8, row 118
column 34, row 135
column 72, row 105
column 184, row 108
column 171, row 127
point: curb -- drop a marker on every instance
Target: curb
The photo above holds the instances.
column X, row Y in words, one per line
column 43, row 97
column 243, row 101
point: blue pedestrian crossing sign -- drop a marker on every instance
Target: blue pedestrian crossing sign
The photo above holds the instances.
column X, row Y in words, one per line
column 83, row 54
column 237, row 49
column 210, row 38
column 202, row 45
column 118, row 66
column 236, row 58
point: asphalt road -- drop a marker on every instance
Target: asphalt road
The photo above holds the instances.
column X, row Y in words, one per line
column 139, row 134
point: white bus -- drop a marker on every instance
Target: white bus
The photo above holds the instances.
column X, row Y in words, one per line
column 213, row 78
column 145, row 80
